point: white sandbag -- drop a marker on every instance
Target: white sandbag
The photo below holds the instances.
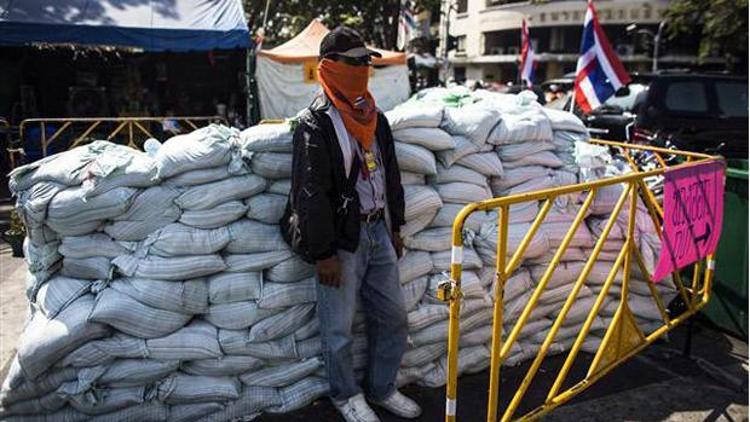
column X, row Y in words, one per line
column 279, row 187
column 255, row 262
column 518, row 284
column 486, row 163
column 132, row 317
column 247, row 407
column 282, row 375
column 136, row 230
column 415, row 159
column 110, row 400
column 419, row 356
column 215, row 217
column 212, row 194
column 45, row 341
column 414, row 264
column 282, row 323
column 309, row 330
column 299, row 394
column 174, row 268
column 249, row 236
column 434, row 139
column 565, row 140
column 420, row 200
column 191, row 412
column 197, row 340
column 486, row 241
column 555, row 233
column 473, row 121
column 448, row 213
column 426, row 314
column 31, row 204
column 124, row 373
column 408, row 178
column 237, row 315
column 463, row 147
column 95, row 268
column 178, row 239
column 267, row 208
column 441, row 261
column 40, row 257
column 467, row 358
column 59, row 292
column 147, row 411
column 96, row 244
column 207, row 147
column 431, row 240
column 70, row 209
column 516, row 176
column 273, row 137
column 201, row 176
column 30, row 389
column 544, row 159
column 462, row 193
column 526, row 126
column 283, row 295
column 183, row 388
column 235, row 342
column 234, row 287
column 223, row 366
column 514, row 152
column 418, row 223
column 272, row 165
column 408, row 115
column 458, row 174
column 564, row 121
column 290, row 270
column 413, row 291
column 188, row 297
column 154, row 202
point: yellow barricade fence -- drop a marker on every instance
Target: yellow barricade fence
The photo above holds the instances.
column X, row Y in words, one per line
column 128, row 130
column 623, row 338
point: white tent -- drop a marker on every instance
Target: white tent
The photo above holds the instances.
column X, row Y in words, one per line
column 287, row 75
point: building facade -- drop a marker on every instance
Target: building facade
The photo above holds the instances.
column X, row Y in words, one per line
column 487, row 35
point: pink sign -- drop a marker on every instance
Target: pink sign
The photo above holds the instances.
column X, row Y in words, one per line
column 693, row 209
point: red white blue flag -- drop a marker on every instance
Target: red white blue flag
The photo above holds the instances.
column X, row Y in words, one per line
column 599, row 73
column 407, row 25
column 527, row 56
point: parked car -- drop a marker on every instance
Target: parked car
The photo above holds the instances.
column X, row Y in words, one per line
column 695, row 112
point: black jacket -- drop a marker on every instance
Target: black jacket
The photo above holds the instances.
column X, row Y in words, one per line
column 316, row 209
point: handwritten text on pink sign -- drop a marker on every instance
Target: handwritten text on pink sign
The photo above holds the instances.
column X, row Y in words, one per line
column 693, row 209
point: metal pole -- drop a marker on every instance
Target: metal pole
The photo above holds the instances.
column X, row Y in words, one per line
column 657, row 41
column 445, row 40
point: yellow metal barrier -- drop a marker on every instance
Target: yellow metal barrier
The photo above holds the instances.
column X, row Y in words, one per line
column 132, row 129
column 623, row 338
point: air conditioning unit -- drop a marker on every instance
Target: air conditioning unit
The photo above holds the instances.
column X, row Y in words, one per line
column 513, row 51
column 497, row 50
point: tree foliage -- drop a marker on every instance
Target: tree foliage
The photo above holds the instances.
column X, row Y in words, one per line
column 721, row 25
column 377, row 21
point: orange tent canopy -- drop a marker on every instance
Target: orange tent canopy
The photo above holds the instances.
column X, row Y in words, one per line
column 306, row 45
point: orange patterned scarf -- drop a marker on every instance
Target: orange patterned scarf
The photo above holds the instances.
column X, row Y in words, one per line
column 346, row 86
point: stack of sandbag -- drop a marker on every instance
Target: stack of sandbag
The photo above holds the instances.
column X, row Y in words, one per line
column 160, row 287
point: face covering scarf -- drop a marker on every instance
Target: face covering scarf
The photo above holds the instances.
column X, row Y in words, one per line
column 346, row 86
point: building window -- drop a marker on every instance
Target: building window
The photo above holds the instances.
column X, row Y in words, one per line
column 463, row 6
column 491, row 3
column 459, row 74
column 461, row 44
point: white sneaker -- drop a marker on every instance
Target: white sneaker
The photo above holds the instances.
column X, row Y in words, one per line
column 400, row 405
column 356, row 409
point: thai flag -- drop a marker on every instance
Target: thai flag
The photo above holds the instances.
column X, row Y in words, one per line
column 407, row 25
column 527, row 56
column 599, row 73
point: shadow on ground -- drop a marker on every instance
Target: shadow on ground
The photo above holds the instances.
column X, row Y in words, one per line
column 660, row 383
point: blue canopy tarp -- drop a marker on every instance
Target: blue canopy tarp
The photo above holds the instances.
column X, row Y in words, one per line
column 152, row 25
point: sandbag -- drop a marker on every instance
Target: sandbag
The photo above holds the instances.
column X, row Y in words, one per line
column 282, row 375
column 237, row 315
column 283, row 295
column 59, row 292
column 178, row 240
column 247, row 236
column 93, row 245
column 414, row 264
column 272, row 165
column 207, row 147
column 132, row 317
column 216, row 217
column 463, row 147
column 183, row 388
column 266, row 208
column 124, row 373
column 434, row 139
column 486, row 163
column 234, row 287
column 420, row 200
column 174, row 268
column 422, row 116
column 415, row 159
column 212, row 194
column 275, row 137
column 458, row 173
column 197, row 340
column 188, row 297
column 462, row 193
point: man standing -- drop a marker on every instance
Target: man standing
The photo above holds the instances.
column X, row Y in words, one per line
column 344, row 213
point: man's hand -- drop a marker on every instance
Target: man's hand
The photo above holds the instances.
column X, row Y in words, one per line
column 398, row 244
column 329, row 271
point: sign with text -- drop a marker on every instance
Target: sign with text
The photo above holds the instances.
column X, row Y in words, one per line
column 693, row 209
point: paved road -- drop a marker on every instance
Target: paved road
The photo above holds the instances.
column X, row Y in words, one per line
column 660, row 384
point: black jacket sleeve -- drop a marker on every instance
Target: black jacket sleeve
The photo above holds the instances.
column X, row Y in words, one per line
column 395, row 192
column 312, row 184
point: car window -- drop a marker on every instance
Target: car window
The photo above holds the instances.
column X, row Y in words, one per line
column 732, row 98
column 686, row 96
column 627, row 102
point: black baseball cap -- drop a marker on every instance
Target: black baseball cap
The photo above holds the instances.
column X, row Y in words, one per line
column 345, row 41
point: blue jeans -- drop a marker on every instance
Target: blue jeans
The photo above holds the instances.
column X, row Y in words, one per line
column 371, row 272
